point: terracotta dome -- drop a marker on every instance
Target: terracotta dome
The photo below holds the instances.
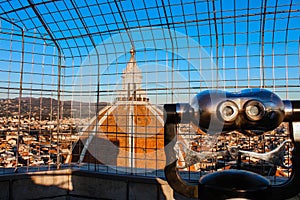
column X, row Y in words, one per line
column 128, row 133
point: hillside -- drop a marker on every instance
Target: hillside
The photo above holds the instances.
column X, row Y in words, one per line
column 46, row 108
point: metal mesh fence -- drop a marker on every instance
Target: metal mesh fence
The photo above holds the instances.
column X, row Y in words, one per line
column 83, row 82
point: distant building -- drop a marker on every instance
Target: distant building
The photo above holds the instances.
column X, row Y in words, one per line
column 128, row 133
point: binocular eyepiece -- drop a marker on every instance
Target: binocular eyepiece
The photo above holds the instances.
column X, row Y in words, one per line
column 250, row 111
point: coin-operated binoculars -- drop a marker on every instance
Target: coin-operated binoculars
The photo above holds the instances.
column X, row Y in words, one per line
column 251, row 113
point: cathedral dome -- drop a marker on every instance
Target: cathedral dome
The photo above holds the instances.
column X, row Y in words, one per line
column 127, row 133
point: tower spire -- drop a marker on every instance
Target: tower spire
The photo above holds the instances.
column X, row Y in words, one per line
column 132, row 79
column 132, row 52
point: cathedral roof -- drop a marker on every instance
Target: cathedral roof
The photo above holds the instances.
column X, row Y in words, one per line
column 121, row 130
column 130, row 128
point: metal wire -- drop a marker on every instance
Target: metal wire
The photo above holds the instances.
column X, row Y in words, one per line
column 73, row 55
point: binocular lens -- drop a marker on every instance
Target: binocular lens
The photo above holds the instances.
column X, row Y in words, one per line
column 254, row 110
column 228, row 111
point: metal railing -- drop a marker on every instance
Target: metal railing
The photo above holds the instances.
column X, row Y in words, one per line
column 73, row 94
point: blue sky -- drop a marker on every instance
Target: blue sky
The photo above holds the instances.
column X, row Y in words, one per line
column 191, row 30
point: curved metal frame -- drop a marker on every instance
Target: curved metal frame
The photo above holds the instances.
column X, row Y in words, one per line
column 59, row 109
column 20, row 88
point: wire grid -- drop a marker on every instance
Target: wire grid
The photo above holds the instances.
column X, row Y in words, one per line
column 74, row 52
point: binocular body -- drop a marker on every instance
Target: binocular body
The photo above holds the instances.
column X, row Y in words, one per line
column 251, row 112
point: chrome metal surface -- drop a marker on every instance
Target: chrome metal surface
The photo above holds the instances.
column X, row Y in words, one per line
column 184, row 112
column 257, row 114
column 288, row 110
column 192, row 157
column 228, row 111
column 251, row 110
column 276, row 156
column 254, row 110
column 296, row 131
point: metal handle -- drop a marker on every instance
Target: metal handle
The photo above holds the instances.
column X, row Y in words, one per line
column 292, row 110
column 171, row 172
